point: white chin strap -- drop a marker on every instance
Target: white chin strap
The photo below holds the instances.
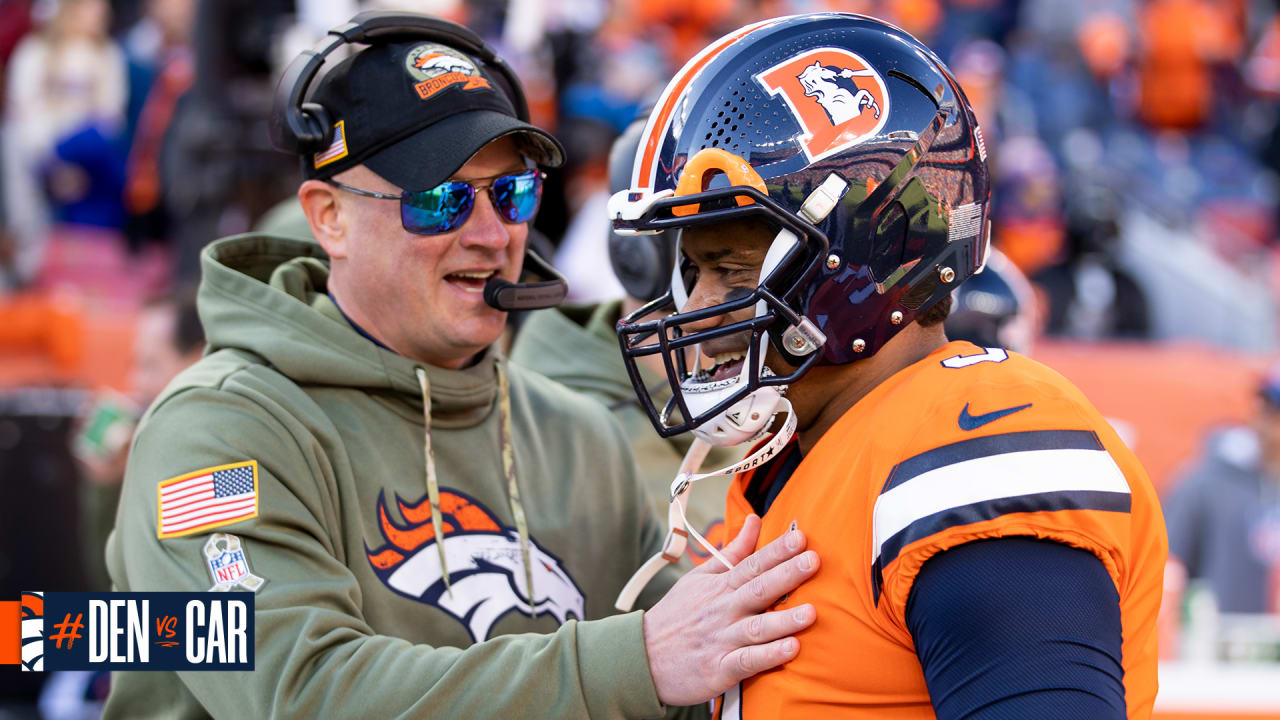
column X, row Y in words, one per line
column 678, row 528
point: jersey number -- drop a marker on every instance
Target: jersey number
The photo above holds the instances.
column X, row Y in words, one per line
column 994, row 355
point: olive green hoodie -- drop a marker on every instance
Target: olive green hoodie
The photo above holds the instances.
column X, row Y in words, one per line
column 354, row 619
column 577, row 346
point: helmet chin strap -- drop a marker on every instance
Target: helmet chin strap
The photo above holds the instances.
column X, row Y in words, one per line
column 678, row 528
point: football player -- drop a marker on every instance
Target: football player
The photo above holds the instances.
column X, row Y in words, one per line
column 990, row 547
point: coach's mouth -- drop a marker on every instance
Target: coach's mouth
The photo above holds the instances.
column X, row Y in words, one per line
column 471, row 281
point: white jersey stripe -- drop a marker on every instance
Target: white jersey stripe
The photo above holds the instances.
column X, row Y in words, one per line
column 988, row 478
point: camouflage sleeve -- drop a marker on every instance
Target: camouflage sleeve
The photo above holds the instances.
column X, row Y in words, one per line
column 316, row 656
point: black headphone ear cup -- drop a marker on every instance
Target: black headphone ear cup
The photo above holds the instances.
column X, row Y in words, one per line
column 315, row 129
column 664, row 260
column 638, row 264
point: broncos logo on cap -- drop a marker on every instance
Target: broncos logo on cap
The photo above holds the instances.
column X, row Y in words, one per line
column 486, row 576
column 435, row 63
column 434, row 67
column 836, row 96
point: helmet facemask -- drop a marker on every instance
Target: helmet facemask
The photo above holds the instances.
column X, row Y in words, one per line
column 724, row 409
column 842, row 130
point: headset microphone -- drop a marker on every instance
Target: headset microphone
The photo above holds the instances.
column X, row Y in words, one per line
column 509, row 296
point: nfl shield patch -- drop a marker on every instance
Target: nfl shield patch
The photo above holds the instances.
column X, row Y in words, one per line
column 224, row 555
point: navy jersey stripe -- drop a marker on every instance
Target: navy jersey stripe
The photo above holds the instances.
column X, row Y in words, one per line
column 975, row 448
column 987, row 510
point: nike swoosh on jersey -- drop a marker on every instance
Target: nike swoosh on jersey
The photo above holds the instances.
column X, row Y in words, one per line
column 973, row 422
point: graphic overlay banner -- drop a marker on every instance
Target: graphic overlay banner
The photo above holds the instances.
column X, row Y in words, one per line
column 129, row 631
column 10, row 633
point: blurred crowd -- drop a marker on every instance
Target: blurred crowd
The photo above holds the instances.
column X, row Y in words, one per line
column 1134, row 142
column 1135, row 146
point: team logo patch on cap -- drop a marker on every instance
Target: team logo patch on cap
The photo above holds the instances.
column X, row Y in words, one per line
column 437, row 67
column 837, row 97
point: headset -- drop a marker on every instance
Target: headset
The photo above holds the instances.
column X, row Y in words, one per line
column 642, row 263
column 301, row 128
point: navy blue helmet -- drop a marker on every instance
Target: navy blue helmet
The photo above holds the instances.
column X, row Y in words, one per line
column 849, row 138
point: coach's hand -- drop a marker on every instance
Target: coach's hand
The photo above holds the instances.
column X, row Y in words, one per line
column 710, row 631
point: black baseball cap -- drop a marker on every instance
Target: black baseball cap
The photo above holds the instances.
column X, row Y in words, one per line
column 414, row 112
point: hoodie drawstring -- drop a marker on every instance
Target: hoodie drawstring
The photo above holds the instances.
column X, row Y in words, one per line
column 433, row 487
column 513, row 487
column 508, row 469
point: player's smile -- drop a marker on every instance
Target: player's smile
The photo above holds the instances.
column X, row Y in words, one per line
column 726, row 258
column 721, row 366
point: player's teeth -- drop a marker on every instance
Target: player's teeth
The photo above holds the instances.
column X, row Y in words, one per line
column 476, row 275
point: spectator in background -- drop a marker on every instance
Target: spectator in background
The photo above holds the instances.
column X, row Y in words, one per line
column 168, row 339
column 161, row 70
column 1029, row 218
column 1071, row 258
column 1182, row 45
column 15, row 22
column 64, row 106
column 1224, row 515
column 1262, row 73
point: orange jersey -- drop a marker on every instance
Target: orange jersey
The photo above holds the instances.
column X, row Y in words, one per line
column 966, row 444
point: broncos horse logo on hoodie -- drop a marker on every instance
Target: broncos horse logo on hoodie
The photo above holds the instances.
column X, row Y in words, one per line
column 486, row 577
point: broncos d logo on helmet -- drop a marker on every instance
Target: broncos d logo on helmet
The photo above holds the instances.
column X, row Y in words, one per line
column 485, row 572
column 837, row 97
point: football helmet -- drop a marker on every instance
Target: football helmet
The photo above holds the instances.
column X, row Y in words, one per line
column 994, row 309
column 854, row 143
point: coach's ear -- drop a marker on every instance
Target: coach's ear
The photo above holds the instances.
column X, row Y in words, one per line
column 320, row 202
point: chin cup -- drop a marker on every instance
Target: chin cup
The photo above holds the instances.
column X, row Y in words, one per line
column 744, row 421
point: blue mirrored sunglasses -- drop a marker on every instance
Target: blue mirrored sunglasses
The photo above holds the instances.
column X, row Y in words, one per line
column 446, row 207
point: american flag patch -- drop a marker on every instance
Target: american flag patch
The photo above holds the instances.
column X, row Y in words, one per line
column 337, row 149
column 207, row 498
